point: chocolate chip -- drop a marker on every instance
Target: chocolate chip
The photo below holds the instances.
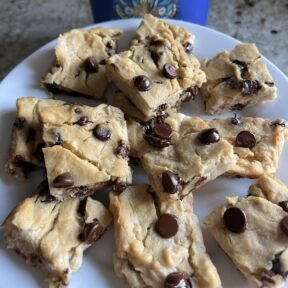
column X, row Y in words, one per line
column 284, row 205
column 237, row 107
column 209, row 136
column 38, row 153
column 162, row 130
column 58, row 139
column 278, row 123
column 91, row 65
column 188, row 46
column 103, row 62
column 245, row 139
column 241, row 65
column 31, row 136
column 170, row 182
column 189, row 94
column 147, row 128
column 53, row 88
column 20, row 123
column 249, row 87
column 231, row 82
column 235, row 220
column 142, row 83
column 276, row 265
column 169, row 71
column 119, row 187
column 236, row 120
column 102, row 132
column 156, row 141
column 270, row 84
column 92, row 231
column 284, row 225
column 178, row 280
column 160, row 109
column 166, row 226
column 27, row 167
column 82, row 121
column 77, row 110
column 63, row 180
column 122, row 150
column 82, row 207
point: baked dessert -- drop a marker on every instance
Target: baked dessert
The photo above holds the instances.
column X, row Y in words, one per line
column 271, row 188
column 236, row 80
column 25, row 152
column 253, row 232
column 80, row 64
column 179, row 153
column 159, row 244
column 89, row 149
column 53, row 235
column 157, row 73
column 257, row 143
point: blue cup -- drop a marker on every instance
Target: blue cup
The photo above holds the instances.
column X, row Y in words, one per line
column 195, row 11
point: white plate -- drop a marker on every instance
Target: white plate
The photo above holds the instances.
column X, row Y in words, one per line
column 97, row 269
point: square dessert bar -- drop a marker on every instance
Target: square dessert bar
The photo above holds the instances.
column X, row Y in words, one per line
column 179, row 153
column 157, row 73
column 80, row 64
column 87, row 149
column 236, row 80
column 53, row 235
column 253, row 232
column 25, row 152
column 257, row 143
column 159, row 244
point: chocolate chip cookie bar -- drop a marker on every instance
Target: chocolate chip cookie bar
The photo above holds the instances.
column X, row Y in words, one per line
column 156, row 74
column 53, row 235
column 254, row 234
column 159, row 244
column 271, row 188
column 89, row 149
column 257, row 143
column 80, row 64
column 236, row 80
column 25, row 152
column 179, row 153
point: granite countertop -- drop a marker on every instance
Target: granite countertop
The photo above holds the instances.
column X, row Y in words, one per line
column 28, row 24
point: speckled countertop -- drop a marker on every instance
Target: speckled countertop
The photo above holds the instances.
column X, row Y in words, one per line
column 28, row 24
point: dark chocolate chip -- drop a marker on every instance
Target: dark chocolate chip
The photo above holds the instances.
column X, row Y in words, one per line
column 142, row 83
column 156, row 141
column 231, row 82
column 270, row 84
column 77, row 110
column 178, row 280
column 160, row 109
column 58, row 139
column 20, row 123
column 241, row 65
column 276, row 265
column 249, row 87
column 91, row 65
column 284, row 225
column 82, row 121
column 237, row 107
column 245, row 139
column 84, row 191
column 38, row 153
column 92, row 231
column 147, row 128
column 284, row 205
column 49, row 199
column 170, row 182
column 162, row 130
column 169, row 71
column 234, row 220
column 166, row 226
column 63, row 180
column 103, row 62
column 122, row 150
column 82, row 207
column 31, row 136
column 53, row 88
column 119, row 187
column 236, row 120
column 102, row 132
column 278, row 123
column 189, row 94
column 209, row 136
column 27, row 167
column 188, row 46
column 43, row 191
column 109, row 45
